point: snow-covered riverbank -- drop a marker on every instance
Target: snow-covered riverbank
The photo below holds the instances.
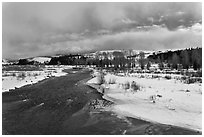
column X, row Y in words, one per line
column 176, row 103
column 17, row 79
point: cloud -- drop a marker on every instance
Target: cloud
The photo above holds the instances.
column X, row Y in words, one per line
column 156, row 38
column 31, row 29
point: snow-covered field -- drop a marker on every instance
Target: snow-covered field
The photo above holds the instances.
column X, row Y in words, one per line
column 158, row 100
column 16, row 79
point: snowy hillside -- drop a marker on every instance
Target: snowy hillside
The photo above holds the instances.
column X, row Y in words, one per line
column 8, row 61
column 125, row 52
column 40, row 59
column 5, row 62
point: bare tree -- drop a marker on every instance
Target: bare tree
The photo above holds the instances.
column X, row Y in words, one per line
column 141, row 59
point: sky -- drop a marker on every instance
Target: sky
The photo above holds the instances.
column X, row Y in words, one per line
column 39, row 29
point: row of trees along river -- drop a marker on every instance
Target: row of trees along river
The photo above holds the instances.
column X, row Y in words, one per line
column 173, row 59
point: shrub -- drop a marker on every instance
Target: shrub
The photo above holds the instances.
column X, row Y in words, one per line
column 100, row 78
column 134, row 86
column 36, row 74
column 112, row 80
column 193, row 80
column 155, row 76
column 167, row 77
column 142, row 76
column 152, row 98
column 197, row 74
column 13, row 74
column 5, row 74
column 190, row 80
column 22, row 75
column 29, row 74
column 126, row 85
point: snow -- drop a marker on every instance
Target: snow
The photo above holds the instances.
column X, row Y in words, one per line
column 41, row 59
column 93, row 81
column 176, row 103
column 17, row 79
column 134, row 52
column 5, row 62
column 172, row 50
column 96, row 79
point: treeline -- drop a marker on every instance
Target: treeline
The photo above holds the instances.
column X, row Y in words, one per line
column 68, row 60
column 186, row 58
column 179, row 59
column 25, row 62
column 118, row 62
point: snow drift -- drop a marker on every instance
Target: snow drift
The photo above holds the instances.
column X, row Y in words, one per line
column 157, row 100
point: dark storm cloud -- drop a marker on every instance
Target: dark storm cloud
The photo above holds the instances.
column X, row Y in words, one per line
column 169, row 14
column 31, row 29
column 156, row 38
